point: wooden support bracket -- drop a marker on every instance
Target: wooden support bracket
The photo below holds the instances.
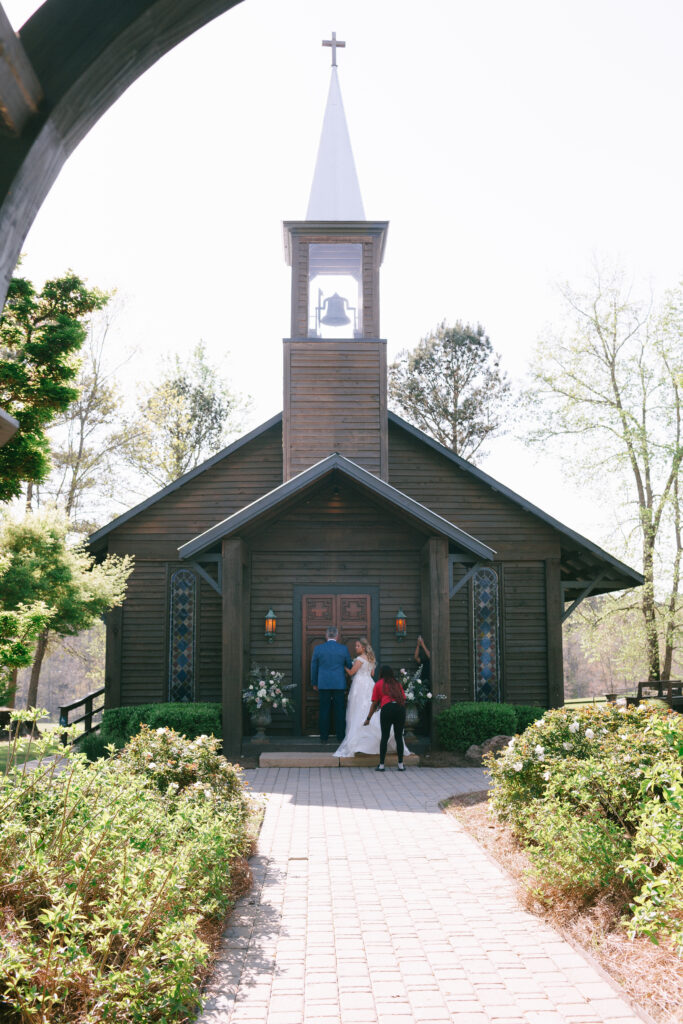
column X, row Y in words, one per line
column 586, row 592
column 453, row 588
column 216, row 585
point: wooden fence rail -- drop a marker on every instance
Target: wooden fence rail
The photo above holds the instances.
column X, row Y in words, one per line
column 86, row 717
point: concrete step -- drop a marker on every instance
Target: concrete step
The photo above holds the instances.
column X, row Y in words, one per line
column 315, row 759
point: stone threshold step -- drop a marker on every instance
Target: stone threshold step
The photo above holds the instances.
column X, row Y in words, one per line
column 301, row 759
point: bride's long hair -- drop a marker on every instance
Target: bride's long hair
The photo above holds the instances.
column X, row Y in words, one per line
column 368, row 651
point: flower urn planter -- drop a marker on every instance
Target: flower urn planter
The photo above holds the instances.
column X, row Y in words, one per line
column 261, row 719
column 412, row 715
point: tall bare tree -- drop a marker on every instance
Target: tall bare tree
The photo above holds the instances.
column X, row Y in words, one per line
column 87, row 438
column 607, row 389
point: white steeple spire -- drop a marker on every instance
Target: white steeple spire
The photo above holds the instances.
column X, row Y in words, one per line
column 335, row 192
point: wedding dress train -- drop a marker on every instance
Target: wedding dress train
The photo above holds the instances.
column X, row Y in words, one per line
column 359, row 738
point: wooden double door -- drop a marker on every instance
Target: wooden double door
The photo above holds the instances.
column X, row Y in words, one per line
column 351, row 614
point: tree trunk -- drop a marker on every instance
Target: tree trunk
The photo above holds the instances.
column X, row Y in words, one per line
column 648, row 608
column 41, row 647
column 13, row 679
column 671, row 613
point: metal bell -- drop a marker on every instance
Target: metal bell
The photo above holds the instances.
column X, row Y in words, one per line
column 336, row 314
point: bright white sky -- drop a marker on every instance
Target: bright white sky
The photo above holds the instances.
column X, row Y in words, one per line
column 505, row 142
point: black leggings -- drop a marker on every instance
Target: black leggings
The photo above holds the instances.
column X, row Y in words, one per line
column 392, row 714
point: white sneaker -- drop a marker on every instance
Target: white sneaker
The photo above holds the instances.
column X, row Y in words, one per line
column 401, row 767
column 379, row 768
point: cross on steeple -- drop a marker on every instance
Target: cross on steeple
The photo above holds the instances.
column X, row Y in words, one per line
column 334, row 43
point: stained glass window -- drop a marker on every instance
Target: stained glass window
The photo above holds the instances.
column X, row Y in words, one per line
column 181, row 662
column 486, row 631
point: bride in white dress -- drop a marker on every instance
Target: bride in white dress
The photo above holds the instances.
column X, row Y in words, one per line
column 360, row 738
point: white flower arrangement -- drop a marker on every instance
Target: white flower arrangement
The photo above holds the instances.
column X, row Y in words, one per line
column 266, row 690
column 416, row 690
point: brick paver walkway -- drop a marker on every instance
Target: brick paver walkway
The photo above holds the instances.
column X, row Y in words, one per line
column 371, row 906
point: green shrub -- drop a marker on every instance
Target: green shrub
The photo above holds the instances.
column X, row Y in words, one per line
column 107, row 872
column 526, row 715
column 595, row 794
column 656, row 864
column 574, row 854
column 192, row 720
column 93, row 745
column 461, row 725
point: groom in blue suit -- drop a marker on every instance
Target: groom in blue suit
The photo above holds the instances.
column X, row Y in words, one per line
column 328, row 679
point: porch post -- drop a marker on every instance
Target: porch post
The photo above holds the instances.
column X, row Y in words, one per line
column 553, row 612
column 436, row 620
column 235, row 638
column 112, row 664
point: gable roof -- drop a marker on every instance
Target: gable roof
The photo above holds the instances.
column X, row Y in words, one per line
column 99, row 535
column 297, row 485
column 593, row 555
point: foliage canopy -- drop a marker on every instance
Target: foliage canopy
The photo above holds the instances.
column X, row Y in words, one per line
column 40, row 336
column 452, row 386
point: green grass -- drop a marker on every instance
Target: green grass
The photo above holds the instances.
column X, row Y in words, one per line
column 21, row 753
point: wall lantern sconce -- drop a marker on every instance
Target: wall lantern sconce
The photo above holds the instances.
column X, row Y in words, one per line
column 401, row 624
column 270, row 626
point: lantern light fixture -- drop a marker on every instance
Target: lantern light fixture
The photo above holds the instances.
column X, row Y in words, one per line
column 401, row 624
column 270, row 626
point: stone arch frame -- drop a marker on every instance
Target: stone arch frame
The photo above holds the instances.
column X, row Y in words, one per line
column 84, row 56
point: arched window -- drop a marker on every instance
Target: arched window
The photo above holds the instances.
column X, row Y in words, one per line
column 485, row 620
column 181, row 660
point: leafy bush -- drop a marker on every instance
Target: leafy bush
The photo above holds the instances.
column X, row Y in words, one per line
column 192, row 720
column 596, row 796
column 526, row 715
column 461, row 725
column 108, row 871
column 656, row 865
column 93, row 745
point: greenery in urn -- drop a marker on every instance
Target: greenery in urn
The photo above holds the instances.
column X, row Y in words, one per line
column 266, row 691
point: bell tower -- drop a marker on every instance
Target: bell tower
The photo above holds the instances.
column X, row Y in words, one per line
column 335, row 366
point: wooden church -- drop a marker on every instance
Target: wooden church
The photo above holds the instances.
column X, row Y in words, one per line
column 338, row 512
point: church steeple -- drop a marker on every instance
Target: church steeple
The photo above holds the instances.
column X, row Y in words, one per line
column 335, row 192
column 335, row 389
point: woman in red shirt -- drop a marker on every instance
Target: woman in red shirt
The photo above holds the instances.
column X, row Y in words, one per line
column 389, row 696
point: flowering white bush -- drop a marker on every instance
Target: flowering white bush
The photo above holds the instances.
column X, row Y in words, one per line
column 266, row 690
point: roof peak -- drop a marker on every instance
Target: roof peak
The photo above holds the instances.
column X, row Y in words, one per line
column 335, row 192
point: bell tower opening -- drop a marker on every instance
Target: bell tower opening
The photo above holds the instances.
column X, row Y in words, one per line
column 335, row 294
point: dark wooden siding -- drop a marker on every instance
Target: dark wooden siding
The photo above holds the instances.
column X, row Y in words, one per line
column 229, row 485
column 144, row 628
column 209, row 643
column 146, row 617
column 335, row 401
column 433, row 480
column 525, row 651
